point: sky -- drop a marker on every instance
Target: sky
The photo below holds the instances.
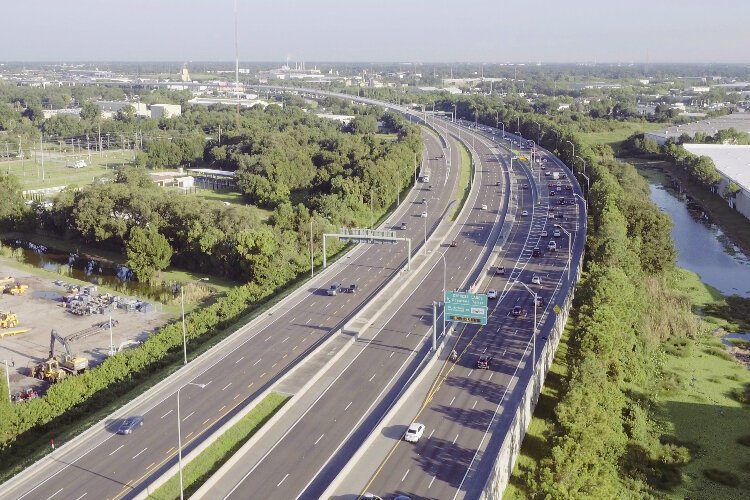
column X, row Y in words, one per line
column 492, row 31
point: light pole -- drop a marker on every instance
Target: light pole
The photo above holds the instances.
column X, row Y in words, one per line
column 558, row 226
column 503, row 124
column 588, row 183
column 574, row 149
column 533, row 332
column 7, row 373
column 584, row 163
column 179, row 434
column 539, row 136
column 182, row 304
column 312, row 250
column 454, row 113
column 425, row 234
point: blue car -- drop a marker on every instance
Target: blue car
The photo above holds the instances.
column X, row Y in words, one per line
column 130, row 424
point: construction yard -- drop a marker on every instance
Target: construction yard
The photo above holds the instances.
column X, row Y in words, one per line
column 79, row 315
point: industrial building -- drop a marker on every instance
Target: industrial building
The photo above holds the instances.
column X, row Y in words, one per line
column 165, row 110
column 733, row 163
column 737, row 121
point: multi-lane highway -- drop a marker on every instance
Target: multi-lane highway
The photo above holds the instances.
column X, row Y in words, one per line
column 317, row 445
column 465, row 401
column 108, row 465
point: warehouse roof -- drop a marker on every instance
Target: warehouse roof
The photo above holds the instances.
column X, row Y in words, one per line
column 737, row 121
column 732, row 161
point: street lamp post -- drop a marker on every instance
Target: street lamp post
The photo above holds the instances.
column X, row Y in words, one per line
column 179, row 434
column 539, row 136
column 182, row 304
column 7, row 373
column 574, row 150
column 445, row 268
column 503, row 124
column 558, row 226
column 533, row 332
column 312, row 250
column 588, row 183
column 584, row 163
column 425, row 235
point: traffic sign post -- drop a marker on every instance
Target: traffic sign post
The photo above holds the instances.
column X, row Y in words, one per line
column 466, row 307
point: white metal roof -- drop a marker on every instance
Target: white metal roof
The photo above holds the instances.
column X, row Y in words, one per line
column 732, row 161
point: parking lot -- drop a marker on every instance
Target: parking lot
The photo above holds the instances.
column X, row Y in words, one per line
column 41, row 309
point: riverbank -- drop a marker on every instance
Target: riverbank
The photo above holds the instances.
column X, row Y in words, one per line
column 731, row 222
column 696, row 402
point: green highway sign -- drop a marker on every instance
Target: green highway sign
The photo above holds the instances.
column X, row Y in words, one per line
column 466, row 307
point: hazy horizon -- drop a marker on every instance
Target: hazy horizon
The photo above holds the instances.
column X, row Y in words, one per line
column 424, row 31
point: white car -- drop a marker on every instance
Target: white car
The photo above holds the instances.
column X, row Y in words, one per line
column 536, row 280
column 424, row 215
column 484, row 207
column 556, row 233
column 414, row 432
column 544, row 233
column 491, row 294
column 552, row 246
column 525, row 213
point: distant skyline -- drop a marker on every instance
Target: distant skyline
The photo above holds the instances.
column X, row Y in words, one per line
column 654, row 31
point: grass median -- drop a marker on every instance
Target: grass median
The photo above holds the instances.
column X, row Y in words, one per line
column 463, row 188
column 200, row 469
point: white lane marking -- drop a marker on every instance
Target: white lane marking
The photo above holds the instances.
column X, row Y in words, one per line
column 431, row 432
column 485, row 350
column 318, row 440
column 285, row 340
column 282, row 480
column 269, row 338
column 136, row 456
column 405, row 474
column 79, row 498
column 55, row 493
column 308, row 321
column 394, row 352
column 189, row 415
column 347, row 406
column 373, row 376
column 257, row 362
column 118, row 449
column 470, row 372
column 474, row 405
column 226, row 386
column 243, row 357
column 170, row 411
column 222, row 408
column 452, row 400
column 292, row 320
column 455, row 439
column 431, row 481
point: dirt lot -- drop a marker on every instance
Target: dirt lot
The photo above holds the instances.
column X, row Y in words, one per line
column 41, row 309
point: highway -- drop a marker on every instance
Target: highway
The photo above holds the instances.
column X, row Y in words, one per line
column 466, row 405
column 316, row 446
column 108, row 465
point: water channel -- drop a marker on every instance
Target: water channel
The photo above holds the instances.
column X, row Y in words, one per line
column 701, row 245
column 85, row 268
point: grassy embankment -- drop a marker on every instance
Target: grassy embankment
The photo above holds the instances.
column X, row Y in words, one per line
column 702, row 400
column 463, row 188
column 212, row 458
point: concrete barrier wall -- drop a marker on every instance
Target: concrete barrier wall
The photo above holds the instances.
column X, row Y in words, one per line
column 511, row 445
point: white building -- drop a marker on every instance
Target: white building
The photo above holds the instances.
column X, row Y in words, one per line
column 165, row 110
column 110, row 108
column 737, row 121
column 733, row 163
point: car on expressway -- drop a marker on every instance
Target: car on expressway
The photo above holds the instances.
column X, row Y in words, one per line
column 544, row 233
column 333, row 289
column 537, row 252
column 454, row 243
column 424, row 215
column 540, row 301
column 552, row 246
column 500, row 270
column 518, row 312
column 403, row 225
column 484, row 362
column 536, row 280
column 414, row 432
column 484, row 207
column 130, row 424
column 556, row 233
column 491, row 294
column 525, row 213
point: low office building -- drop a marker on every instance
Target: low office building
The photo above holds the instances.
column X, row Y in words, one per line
column 737, row 121
column 165, row 110
column 733, row 163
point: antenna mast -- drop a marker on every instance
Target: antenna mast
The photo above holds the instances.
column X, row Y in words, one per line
column 236, row 67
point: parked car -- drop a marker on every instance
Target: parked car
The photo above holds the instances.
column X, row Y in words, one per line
column 414, row 432
column 130, row 424
column 484, row 362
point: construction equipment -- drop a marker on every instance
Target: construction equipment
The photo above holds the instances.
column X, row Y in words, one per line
column 69, row 361
column 49, row 370
column 26, row 394
column 8, row 320
column 16, row 289
column 17, row 331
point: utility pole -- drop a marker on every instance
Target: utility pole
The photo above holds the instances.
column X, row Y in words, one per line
column 41, row 147
column 236, row 67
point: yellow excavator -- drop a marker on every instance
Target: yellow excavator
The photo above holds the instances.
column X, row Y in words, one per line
column 8, row 320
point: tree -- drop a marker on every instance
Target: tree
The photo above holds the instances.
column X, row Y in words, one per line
column 34, row 113
column 148, row 252
column 731, row 190
column 90, row 111
column 12, row 205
